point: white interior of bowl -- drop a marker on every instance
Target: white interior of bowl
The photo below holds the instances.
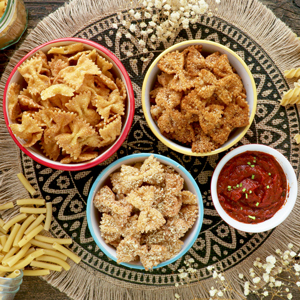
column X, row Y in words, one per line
column 208, row 48
column 281, row 214
column 93, row 215
column 17, row 77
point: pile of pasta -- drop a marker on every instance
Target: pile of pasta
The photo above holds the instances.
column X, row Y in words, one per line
column 24, row 245
column 198, row 100
column 71, row 105
column 292, row 96
column 146, row 212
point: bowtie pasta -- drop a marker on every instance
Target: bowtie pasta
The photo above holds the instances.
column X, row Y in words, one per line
column 72, row 105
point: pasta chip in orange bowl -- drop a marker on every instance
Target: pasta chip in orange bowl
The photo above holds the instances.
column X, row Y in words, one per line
column 199, row 97
column 69, row 104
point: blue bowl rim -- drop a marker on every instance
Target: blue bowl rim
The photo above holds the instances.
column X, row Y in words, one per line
column 163, row 158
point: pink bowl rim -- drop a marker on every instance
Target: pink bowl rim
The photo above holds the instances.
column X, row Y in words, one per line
column 116, row 146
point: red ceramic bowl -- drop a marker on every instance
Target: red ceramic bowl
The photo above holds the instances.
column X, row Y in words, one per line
column 119, row 70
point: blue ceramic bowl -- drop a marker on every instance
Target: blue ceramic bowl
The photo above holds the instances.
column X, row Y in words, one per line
column 93, row 216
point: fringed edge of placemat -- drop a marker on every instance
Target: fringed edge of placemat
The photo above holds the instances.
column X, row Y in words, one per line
column 81, row 282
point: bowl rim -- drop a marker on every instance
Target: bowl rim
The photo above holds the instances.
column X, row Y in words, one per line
column 162, row 159
column 165, row 140
column 127, row 125
column 277, row 218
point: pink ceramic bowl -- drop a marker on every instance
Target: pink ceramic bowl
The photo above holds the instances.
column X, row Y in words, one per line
column 119, row 71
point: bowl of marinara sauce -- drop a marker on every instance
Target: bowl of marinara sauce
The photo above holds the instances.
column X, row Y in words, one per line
column 254, row 188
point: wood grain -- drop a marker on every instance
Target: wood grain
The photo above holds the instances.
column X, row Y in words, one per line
column 36, row 288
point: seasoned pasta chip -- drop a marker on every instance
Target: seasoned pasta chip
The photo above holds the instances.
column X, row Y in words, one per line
column 69, row 49
column 80, row 104
column 57, row 89
column 30, row 70
column 110, row 130
column 143, row 215
column 28, row 130
column 74, row 75
column 81, row 135
column 14, row 110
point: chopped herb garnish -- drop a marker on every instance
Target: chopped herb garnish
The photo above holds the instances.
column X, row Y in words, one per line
column 254, row 161
column 234, row 187
column 246, row 195
column 251, row 217
column 257, row 203
column 244, row 190
column 229, row 187
column 254, row 157
column 252, row 166
column 269, row 174
column 241, row 208
column 237, row 186
column 268, row 187
column 253, row 176
column 249, row 163
column 250, row 192
column 241, row 184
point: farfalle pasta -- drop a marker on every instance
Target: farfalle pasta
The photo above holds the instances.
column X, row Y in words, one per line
column 145, row 212
column 72, row 105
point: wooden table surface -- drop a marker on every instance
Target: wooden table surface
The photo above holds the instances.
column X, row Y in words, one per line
column 34, row 287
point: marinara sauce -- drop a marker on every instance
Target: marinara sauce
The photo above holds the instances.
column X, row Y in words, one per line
column 252, row 187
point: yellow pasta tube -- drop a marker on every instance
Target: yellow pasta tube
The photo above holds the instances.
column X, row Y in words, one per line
column 32, row 210
column 14, row 274
column 41, row 272
column 3, row 239
column 24, row 262
column 48, row 216
column 30, row 235
column 30, row 201
column 6, row 206
column 1, row 257
column 67, row 252
column 3, row 231
column 26, row 184
column 14, row 220
column 37, row 222
column 44, row 265
column 55, row 260
column 9, row 254
column 24, row 226
column 37, row 253
column 36, row 243
column 1, row 223
column 14, row 259
column 11, row 237
column 51, row 240
column 55, row 254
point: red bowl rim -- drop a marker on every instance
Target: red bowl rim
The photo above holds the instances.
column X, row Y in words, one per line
column 116, row 146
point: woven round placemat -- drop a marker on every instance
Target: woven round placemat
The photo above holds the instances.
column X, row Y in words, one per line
column 267, row 46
